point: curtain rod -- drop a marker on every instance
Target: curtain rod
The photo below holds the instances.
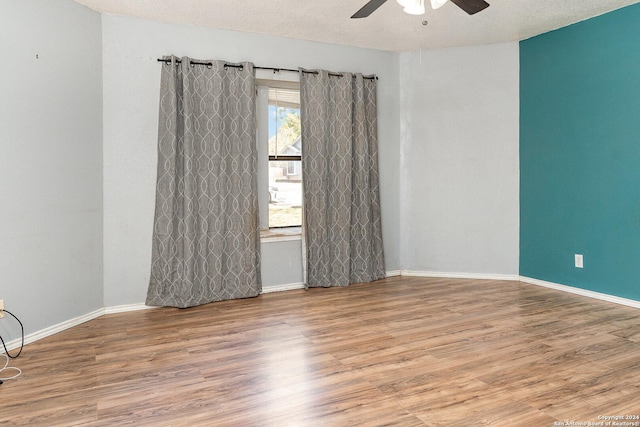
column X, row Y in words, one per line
column 275, row 70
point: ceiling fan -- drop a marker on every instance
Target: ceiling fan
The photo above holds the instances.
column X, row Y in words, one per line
column 416, row 7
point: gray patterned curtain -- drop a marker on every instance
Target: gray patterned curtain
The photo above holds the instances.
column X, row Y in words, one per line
column 340, row 178
column 206, row 241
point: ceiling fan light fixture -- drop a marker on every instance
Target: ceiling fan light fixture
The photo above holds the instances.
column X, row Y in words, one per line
column 413, row 7
column 436, row 4
column 416, row 7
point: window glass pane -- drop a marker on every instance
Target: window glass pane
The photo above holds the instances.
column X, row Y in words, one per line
column 284, row 131
column 285, row 194
column 285, row 176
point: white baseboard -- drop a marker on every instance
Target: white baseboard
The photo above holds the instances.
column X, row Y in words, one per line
column 478, row 276
column 127, row 307
column 583, row 292
column 281, row 288
column 286, row 287
column 43, row 333
column 291, row 286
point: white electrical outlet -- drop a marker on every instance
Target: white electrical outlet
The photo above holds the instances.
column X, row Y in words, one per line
column 579, row 261
column 1, row 308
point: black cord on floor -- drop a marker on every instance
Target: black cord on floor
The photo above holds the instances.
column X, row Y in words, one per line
column 8, row 356
column 22, row 340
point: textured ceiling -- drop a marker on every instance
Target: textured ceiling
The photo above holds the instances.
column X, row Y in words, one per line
column 389, row 28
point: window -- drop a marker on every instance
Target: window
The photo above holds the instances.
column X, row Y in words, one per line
column 292, row 168
column 279, row 149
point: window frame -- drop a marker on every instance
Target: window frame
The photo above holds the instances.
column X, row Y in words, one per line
column 264, row 81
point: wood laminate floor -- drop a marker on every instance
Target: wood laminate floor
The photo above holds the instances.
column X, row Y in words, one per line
column 401, row 351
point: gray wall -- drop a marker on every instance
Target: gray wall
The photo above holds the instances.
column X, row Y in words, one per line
column 50, row 163
column 459, row 188
column 77, row 201
column 131, row 86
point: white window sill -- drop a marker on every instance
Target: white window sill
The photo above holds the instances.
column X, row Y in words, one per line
column 280, row 235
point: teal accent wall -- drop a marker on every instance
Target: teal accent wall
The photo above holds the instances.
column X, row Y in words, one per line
column 580, row 154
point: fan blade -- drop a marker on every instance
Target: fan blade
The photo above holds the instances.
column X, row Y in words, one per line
column 368, row 9
column 471, row 6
